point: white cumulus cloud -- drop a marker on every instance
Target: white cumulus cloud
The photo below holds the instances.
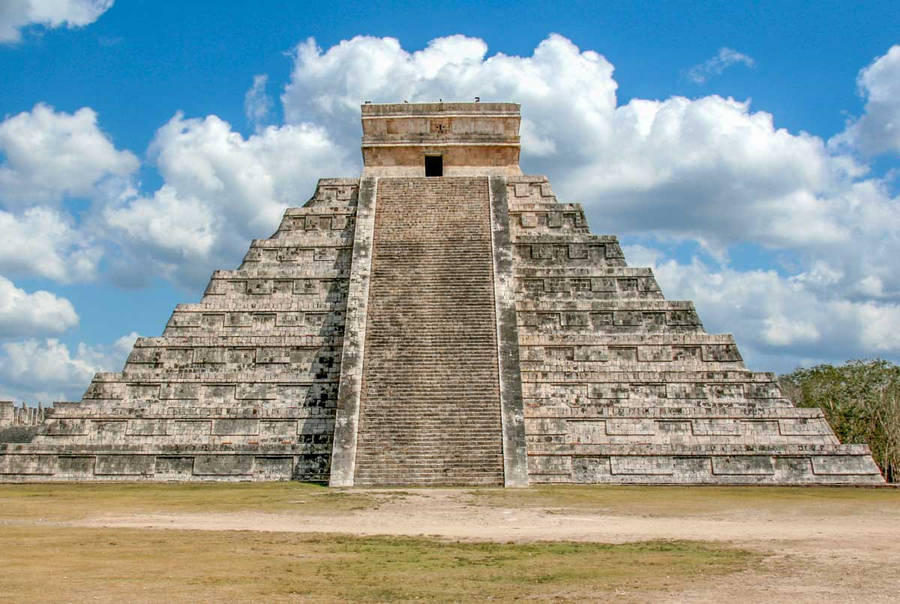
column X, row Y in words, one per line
column 47, row 370
column 40, row 312
column 43, row 242
column 878, row 130
column 220, row 190
column 53, row 154
column 16, row 14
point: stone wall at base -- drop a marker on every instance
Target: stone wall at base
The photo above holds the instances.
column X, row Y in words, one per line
column 29, row 463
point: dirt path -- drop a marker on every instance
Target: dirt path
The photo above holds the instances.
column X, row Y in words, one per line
column 812, row 555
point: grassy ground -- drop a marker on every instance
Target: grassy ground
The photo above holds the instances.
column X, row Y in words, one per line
column 44, row 559
column 77, row 564
column 50, row 551
column 693, row 501
column 77, row 500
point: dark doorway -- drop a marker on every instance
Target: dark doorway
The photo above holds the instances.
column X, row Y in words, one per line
column 434, row 165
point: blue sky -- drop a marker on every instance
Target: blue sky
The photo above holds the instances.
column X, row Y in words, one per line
column 747, row 151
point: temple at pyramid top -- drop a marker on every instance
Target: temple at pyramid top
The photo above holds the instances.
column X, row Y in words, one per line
column 440, row 139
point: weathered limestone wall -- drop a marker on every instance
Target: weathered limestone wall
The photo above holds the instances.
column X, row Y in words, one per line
column 240, row 386
column 621, row 385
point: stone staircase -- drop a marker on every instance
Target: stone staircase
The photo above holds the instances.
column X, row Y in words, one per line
column 430, row 406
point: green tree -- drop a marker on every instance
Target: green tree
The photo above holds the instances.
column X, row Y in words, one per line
column 860, row 399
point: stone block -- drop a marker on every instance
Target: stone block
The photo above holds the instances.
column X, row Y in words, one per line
column 217, row 393
column 674, row 429
column 762, row 390
column 240, row 356
column 75, row 466
column 843, row 465
column 174, row 466
column 223, row 465
column 209, row 355
column 550, row 464
column 311, row 467
column 66, row 427
column 109, row 431
column 227, row 427
column 603, row 284
column 686, row 390
column 765, row 428
column 647, row 392
column 723, row 353
column 27, row 464
column 631, row 427
column 292, row 393
column 686, row 353
column 191, row 427
column 179, row 390
column 804, row 426
column 592, row 354
column 278, row 428
column 654, row 354
column 743, row 465
column 147, row 427
column 622, row 353
column 586, row 432
column 588, row 470
column 793, row 469
column 725, row 391
column 145, row 392
column 578, row 251
column 125, row 465
column 274, row 468
column 642, row 464
column 716, row 427
column 254, row 391
column 692, row 469
column 609, row 390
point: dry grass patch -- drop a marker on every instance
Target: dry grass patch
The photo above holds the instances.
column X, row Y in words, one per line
column 72, row 501
column 78, row 564
column 709, row 502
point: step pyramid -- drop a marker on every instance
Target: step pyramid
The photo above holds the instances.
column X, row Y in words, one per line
column 462, row 327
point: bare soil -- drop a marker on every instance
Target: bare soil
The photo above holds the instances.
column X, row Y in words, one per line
column 831, row 544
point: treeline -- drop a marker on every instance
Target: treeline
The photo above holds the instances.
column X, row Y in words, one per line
column 860, row 399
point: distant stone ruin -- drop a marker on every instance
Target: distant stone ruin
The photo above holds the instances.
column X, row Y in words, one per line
column 440, row 320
